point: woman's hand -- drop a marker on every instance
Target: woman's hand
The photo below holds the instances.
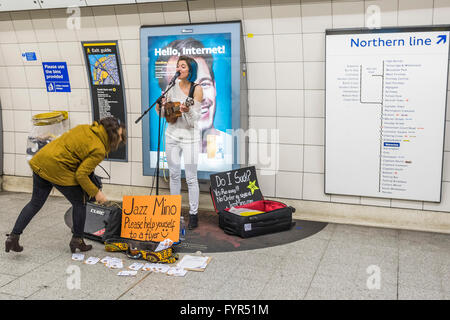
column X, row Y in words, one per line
column 163, row 102
column 184, row 108
column 100, row 197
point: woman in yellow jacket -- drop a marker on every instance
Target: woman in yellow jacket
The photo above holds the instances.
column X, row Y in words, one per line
column 66, row 163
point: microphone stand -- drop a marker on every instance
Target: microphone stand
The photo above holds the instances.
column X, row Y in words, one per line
column 171, row 84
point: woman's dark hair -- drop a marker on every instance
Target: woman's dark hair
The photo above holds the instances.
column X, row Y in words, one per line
column 193, row 67
column 112, row 125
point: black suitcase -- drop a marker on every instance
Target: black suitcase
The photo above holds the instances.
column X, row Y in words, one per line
column 239, row 189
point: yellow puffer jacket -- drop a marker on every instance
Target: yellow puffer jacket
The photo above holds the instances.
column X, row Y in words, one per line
column 69, row 159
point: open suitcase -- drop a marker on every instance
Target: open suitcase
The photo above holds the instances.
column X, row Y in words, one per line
column 241, row 206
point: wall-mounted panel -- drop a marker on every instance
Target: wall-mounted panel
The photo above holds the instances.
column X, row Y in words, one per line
column 49, row 4
column 12, row 5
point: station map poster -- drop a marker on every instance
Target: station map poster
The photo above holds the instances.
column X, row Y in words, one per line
column 386, row 92
column 217, row 50
column 107, row 86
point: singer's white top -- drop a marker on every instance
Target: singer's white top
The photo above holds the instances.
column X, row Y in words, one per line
column 185, row 129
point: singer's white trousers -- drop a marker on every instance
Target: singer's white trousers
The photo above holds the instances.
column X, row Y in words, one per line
column 190, row 152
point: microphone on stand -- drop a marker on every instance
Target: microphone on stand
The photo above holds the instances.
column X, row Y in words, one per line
column 177, row 74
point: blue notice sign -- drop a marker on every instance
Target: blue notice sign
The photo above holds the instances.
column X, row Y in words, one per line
column 56, row 76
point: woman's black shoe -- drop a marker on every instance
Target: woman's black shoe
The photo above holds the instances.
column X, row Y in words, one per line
column 12, row 243
column 193, row 221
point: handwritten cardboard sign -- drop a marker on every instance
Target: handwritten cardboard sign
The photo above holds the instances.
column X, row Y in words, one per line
column 235, row 188
column 151, row 218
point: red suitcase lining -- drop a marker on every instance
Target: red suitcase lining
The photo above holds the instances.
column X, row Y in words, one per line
column 262, row 205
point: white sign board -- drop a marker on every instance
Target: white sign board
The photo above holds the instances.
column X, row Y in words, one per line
column 386, row 94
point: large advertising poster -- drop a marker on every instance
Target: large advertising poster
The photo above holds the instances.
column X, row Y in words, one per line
column 216, row 49
column 106, row 84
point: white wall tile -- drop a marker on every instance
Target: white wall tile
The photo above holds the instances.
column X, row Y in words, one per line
column 316, row 16
column 175, row 12
column 288, row 47
column 22, row 121
column 35, row 77
column 202, row 11
column 8, row 120
column 23, row 27
column 266, row 181
column 21, row 139
column 133, row 100
column 79, row 100
column 16, row 76
column 380, row 202
column 314, row 75
column 345, row 199
column 2, row 60
column 72, row 52
column 314, row 47
column 4, row 80
column 263, row 127
column 133, row 73
column 415, row 12
column 313, row 187
column 291, row 130
column 259, row 48
column 6, row 99
column 264, row 156
column 315, row 103
column 257, row 17
column 11, row 54
column 9, row 161
column 128, row 21
column 130, row 51
column 406, row 204
column 135, row 129
column 446, row 167
column 121, row 173
column 348, row 14
column 292, row 157
column 228, row 10
column 314, row 131
column 262, row 103
column 289, row 75
column 77, row 118
column 136, row 149
column 58, row 101
column 49, row 52
column 20, row 99
column 7, row 33
column 151, row 13
column 77, row 77
column 444, row 205
column 9, row 144
column 43, row 26
column 22, row 167
column 286, row 16
column 441, row 12
column 137, row 177
column 106, row 22
column 261, row 75
column 39, row 99
column 290, row 103
column 314, row 159
column 88, row 29
column 60, row 25
column 289, row 185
